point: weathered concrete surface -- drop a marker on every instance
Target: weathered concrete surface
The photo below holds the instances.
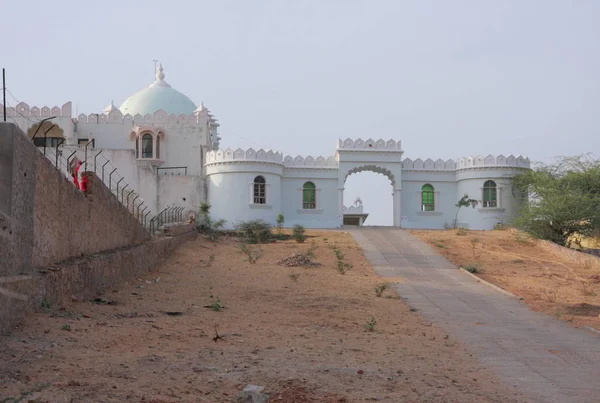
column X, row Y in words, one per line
column 45, row 219
column 545, row 358
column 82, row 278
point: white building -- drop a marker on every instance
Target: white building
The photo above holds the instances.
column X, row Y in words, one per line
column 166, row 149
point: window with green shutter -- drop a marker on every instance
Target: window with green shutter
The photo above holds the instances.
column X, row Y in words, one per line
column 427, row 198
column 490, row 194
column 309, row 196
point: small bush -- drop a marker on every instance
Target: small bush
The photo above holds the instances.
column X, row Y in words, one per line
column 45, row 305
column 253, row 253
column 210, row 227
column 439, row 245
column 294, row 277
column 66, row 327
column 216, row 305
column 280, row 221
column 342, row 267
column 380, row 289
column 370, row 324
column 338, row 254
column 500, row 226
column 472, row 269
column 254, row 231
column 522, row 237
column 298, row 233
column 551, row 293
column 461, row 231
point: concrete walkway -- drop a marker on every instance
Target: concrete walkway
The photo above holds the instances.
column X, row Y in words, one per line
column 541, row 356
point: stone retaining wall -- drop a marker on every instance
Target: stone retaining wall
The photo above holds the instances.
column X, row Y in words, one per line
column 81, row 279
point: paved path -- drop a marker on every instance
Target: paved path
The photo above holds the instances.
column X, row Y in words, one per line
column 542, row 356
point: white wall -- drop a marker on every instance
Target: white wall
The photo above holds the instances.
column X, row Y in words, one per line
column 471, row 182
column 444, row 185
column 230, row 192
column 324, row 216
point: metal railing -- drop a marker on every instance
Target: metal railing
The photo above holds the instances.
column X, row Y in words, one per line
column 169, row 215
column 114, row 181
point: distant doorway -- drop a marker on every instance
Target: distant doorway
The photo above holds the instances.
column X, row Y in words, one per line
column 376, row 194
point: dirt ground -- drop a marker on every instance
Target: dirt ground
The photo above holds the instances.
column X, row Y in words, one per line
column 299, row 332
column 547, row 283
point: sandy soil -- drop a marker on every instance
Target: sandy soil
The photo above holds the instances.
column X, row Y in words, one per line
column 547, row 283
column 302, row 339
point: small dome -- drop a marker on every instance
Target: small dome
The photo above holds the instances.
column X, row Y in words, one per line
column 158, row 96
column 111, row 107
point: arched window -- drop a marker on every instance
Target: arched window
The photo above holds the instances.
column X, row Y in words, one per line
column 427, row 198
column 490, row 194
column 147, row 146
column 260, row 191
column 309, row 196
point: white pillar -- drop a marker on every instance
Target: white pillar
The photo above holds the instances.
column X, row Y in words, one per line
column 340, row 207
column 397, row 208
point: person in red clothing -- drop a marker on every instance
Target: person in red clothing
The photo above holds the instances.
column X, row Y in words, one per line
column 83, row 183
column 75, row 167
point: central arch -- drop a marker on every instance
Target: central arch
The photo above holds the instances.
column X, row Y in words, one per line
column 373, row 186
column 382, row 157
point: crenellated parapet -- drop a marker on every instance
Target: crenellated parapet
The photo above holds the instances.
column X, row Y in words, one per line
column 159, row 117
column 370, row 145
column 309, row 162
column 493, row 161
column 24, row 110
column 465, row 163
column 240, row 155
column 428, row 165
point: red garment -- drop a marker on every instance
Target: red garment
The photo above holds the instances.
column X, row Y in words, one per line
column 83, row 185
column 75, row 174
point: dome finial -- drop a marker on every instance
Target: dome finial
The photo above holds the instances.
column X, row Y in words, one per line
column 159, row 72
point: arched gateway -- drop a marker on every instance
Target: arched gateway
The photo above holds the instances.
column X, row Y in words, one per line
column 376, row 156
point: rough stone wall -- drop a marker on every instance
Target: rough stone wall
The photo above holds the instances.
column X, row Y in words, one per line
column 17, row 169
column 45, row 219
column 70, row 223
column 81, row 279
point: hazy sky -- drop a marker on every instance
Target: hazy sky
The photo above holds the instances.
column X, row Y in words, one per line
column 448, row 78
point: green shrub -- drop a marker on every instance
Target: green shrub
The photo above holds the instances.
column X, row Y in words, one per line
column 298, row 233
column 252, row 252
column 254, row 231
column 472, row 269
column 280, row 221
column 342, row 267
column 370, row 324
column 380, row 288
column 461, row 231
column 207, row 225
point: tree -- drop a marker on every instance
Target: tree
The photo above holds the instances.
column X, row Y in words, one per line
column 564, row 199
column 463, row 202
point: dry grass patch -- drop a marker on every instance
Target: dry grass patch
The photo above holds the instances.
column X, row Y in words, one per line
column 516, row 263
column 314, row 337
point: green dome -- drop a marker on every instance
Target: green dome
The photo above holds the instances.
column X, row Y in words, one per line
column 158, row 96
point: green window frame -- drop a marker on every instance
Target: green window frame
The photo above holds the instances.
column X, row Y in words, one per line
column 427, row 198
column 309, row 196
column 490, row 194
